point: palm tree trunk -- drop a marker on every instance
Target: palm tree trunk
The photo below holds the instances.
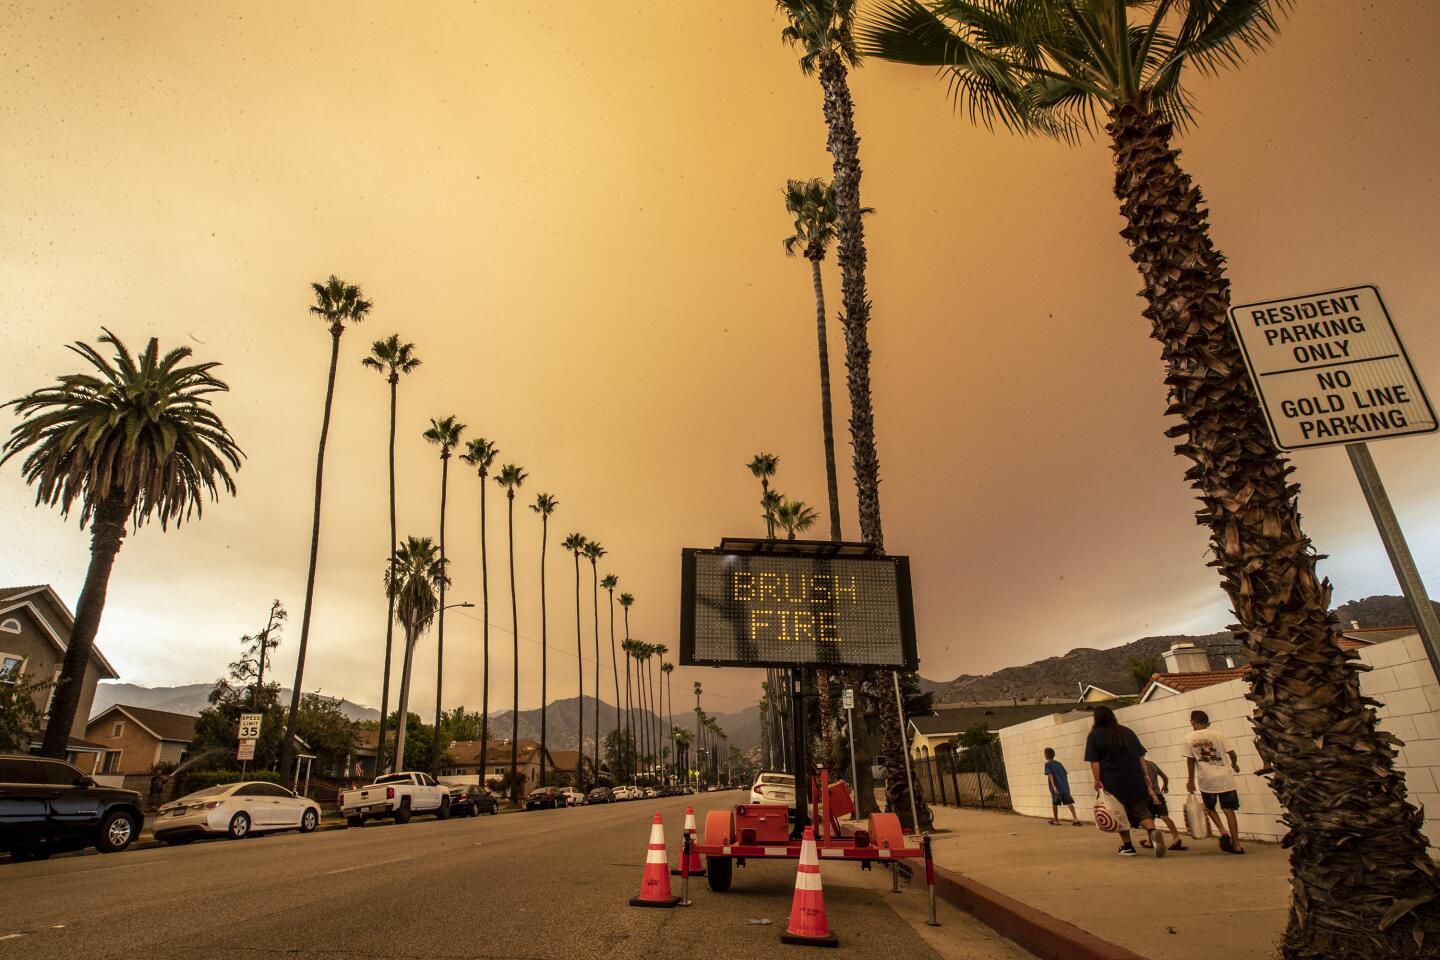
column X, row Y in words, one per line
column 390, row 602
column 440, row 635
column 1363, row 882
column 515, row 659
column 654, row 723
column 107, row 532
column 595, row 574
column 629, row 702
column 485, row 642
column 287, row 746
column 827, row 426
column 544, row 644
column 769, row 514
column 674, row 747
column 580, row 677
column 402, row 721
column 614, row 665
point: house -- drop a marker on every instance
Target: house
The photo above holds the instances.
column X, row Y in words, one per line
column 35, row 626
column 464, row 760
column 565, row 761
column 1103, row 691
column 948, row 722
column 138, row 739
column 1358, row 638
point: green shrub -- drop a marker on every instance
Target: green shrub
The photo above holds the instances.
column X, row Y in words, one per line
column 200, row 779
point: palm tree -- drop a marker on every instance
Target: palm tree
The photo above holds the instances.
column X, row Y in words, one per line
column 660, row 651
column 412, row 581
column 763, row 466
column 682, row 750
column 609, row 582
column 480, row 454
column 593, row 553
column 822, row 31
column 626, row 601
column 575, row 543
column 699, row 740
column 667, row 669
column 812, row 205
column 336, row 303
column 643, row 652
column 392, row 358
column 1364, row 884
column 770, row 502
column 796, row 516
column 544, row 505
column 445, row 434
column 131, row 441
column 511, row 477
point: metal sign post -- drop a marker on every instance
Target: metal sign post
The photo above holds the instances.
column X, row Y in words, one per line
column 1400, row 558
column 905, row 749
column 847, row 700
column 1330, row 369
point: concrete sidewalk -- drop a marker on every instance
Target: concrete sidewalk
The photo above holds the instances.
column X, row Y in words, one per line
column 1196, row 904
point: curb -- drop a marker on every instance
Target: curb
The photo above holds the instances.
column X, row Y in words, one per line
column 1049, row 938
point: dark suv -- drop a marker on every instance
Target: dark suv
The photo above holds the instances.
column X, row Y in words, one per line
column 47, row 806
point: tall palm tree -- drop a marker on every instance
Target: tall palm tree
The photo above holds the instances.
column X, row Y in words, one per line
column 392, row 358
column 510, row 478
column 626, row 601
column 667, row 669
column 796, row 516
column 762, row 466
column 544, row 505
column 444, row 433
column 1364, row 884
column 699, row 739
column 480, row 454
column 130, row 441
column 812, row 205
column 660, row 651
column 575, row 543
column 610, row 582
column 643, row 652
column 338, row 304
column 822, row 30
column 682, row 750
column 412, row 581
column 593, row 553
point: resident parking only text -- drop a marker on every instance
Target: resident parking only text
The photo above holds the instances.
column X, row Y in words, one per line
column 1330, row 369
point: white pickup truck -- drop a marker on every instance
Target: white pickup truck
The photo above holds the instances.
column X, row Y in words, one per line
column 397, row 795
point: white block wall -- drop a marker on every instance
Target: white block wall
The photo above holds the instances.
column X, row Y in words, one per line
column 1401, row 679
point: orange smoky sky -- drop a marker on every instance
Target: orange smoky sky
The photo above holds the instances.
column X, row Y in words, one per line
column 574, row 212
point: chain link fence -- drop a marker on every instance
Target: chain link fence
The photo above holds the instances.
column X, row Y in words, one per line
column 964, row 776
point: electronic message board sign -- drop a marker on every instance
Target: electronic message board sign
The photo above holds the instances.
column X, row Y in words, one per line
column 775, row 609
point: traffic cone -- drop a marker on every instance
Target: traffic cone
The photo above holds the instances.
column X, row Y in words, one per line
column 697, row 867
column 655, row 884
column 807, row 911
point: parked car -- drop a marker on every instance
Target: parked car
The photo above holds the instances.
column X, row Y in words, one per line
column 651, row 793
column 773, row 787
column 398, row 795
column 235, row 810
column 573, row 797
column 627, row 793
column 599, row 795
column 47, row 806
column 545, row 798
column 471, row 802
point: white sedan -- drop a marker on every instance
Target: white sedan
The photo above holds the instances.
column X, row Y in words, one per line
column 773, row 787
column 235, row 810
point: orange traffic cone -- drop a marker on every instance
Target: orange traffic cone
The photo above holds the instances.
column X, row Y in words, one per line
column 807, row 911
column 697, row 867
column 655, row 885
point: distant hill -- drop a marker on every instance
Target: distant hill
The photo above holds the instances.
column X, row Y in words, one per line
column 1064, row 676
column 743, row 728
column 190, row 699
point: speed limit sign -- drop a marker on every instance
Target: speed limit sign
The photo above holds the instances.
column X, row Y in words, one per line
column 250, row 725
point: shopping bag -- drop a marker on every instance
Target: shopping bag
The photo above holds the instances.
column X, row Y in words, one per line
column 1196, row 823
column 1105, row 819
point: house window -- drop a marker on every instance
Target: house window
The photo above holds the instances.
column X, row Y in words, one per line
column 117, row 729
column 11, row 667
column 10, row 626
column 112, row 762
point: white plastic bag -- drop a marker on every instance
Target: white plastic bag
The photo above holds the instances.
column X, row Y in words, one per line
column 1106, row 819
column 1196, row 823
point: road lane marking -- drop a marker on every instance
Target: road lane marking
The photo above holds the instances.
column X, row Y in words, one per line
column 12, row 936
column 373, row 863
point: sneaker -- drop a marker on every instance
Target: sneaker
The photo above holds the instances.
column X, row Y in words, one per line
column 1077, row 823
column 1126, row 850
column 1158, row 840
column 1225, row 843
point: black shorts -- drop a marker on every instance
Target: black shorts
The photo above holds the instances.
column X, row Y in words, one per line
column 1137, row 811
column 1158, row 807
column 1229, row 800
column 1061, row 800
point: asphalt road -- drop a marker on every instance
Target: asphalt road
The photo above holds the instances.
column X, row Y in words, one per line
column 547, row 884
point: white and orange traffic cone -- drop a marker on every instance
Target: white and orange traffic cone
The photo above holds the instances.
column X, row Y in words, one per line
column 697, row 867
column 807, row 911
column 655, row 884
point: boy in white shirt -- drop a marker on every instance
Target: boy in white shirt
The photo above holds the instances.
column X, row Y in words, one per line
column 1205, row 752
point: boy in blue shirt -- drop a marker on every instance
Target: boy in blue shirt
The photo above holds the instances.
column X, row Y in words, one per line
column 1058, row 779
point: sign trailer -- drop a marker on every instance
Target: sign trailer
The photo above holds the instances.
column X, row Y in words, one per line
column 1330, row 369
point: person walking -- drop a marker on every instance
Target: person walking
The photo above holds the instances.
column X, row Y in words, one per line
column 1114, row 754
column 1058, row 779
column 1158, row 808
column 1205, row 753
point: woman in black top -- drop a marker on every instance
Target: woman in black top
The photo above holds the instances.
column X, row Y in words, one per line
column 1113, row 752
